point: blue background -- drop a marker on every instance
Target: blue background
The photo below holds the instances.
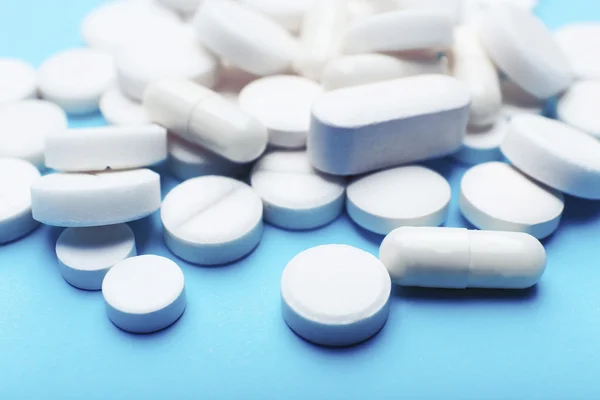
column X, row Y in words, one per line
column 57, row 343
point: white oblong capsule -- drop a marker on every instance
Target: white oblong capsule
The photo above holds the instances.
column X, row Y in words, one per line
column 458, row 258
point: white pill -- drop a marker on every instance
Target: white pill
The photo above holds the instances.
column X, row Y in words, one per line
column 245, row 37
column 553, row 153
column 119, row 109
column 398, row 31
column 335, row 295
column 360, row 69
column 203, row 117
column 185, row 7
column 144, row 294
column 212, row 220
column 458, row 258
column 403, row 196
column 578, row 107
column 17, row 80
column 110, row 147
column 471, row 65
column 360, row 9
column 369, row 127
column 531, row 58
column 481, row 145
column 452, row 8
column 580, row 42
column 25, row 124
column 288, row 13
column 294, row 194
column 86, row 254
column 282, row 103
column 16, row 178
column 496, row 196
column 516, row 101
column 102, row 198
column 75, row 79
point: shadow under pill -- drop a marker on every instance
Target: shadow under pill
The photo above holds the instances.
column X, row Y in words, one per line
column 369, row 236
column 580, row 210
column 464, row 295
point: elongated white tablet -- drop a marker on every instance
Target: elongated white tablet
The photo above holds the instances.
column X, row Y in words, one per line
column 496, row 196
column 335, row 295
column 398, row 31
column 85, row 255
column 516, row 101
column 17, row 80
column 522, row 46
column 578, row 107
column 403, row 196
column 119, row 109
column 282, row 103
column 16, row 178
column 212, row 220
column 482, row 145
column 554, row 153
column 294, row 194
column 95, row 199
column 25, row 124
column 288, row 14
column 245, row 37
column 111, row 147
column 405, row 120
column 580, row 42
column 144, row 294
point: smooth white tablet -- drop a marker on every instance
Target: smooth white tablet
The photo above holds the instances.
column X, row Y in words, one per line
column 16, row 178
column 580, row 42
column 578, row 107
column 86, row 254
column 335, row 295
column 496, row 196
column 403, row 196
column 282, row 103
column 95, row 199
column 554, row 153
column 25, row 124
column 295, row 195
column 245, row 37
column 516, row 101
column 522, row 46
column 482, row 145
column 110, row 147
column 379, row 125
column 17, row 80
column 184, row 7
column 398, row 31
column 119, row 109
column 288, row 13
column 452, row 8
column 212, row 220
column 75, row 79
column 144, row 294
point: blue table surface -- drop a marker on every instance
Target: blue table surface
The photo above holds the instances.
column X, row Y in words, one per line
column 57, row 343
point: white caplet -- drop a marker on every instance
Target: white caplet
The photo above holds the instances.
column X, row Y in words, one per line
column 457, row 258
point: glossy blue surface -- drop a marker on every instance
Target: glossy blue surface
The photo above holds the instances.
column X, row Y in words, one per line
column 231, row 343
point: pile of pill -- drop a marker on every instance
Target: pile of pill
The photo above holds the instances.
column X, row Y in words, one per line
column 291, row 113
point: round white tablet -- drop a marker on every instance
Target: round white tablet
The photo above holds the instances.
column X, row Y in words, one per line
column 86, row 254
column 403, row 196
column 335, row 295
column 119, row 109
column 581, row 44
column 75, row 79
column 522, row 46
column 16, row 178
column 516, row 101
column 496, row 196
column 95, row 199
column 25, row 124
column 554, row 153
column 212, row 220
column 483, row 145
column 282, row 103
column 144, row 294
column 578, row 107
column 288, row 13
column 295, row 195
column 17, row 80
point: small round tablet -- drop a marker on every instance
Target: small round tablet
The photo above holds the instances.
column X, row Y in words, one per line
column 580, row 42
column 86, row 254
column 403, row 196
column 212, row 220
column 119, row 109
column 75, row 79
column 496, row 196
column 144, row 294
column 483, row 145
column 17, row 80
column 295, row 195
column 554, row 153
column 16, row 178
column 282, row 103
column 516, row 101
column 335, row 295
column 578, row 107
